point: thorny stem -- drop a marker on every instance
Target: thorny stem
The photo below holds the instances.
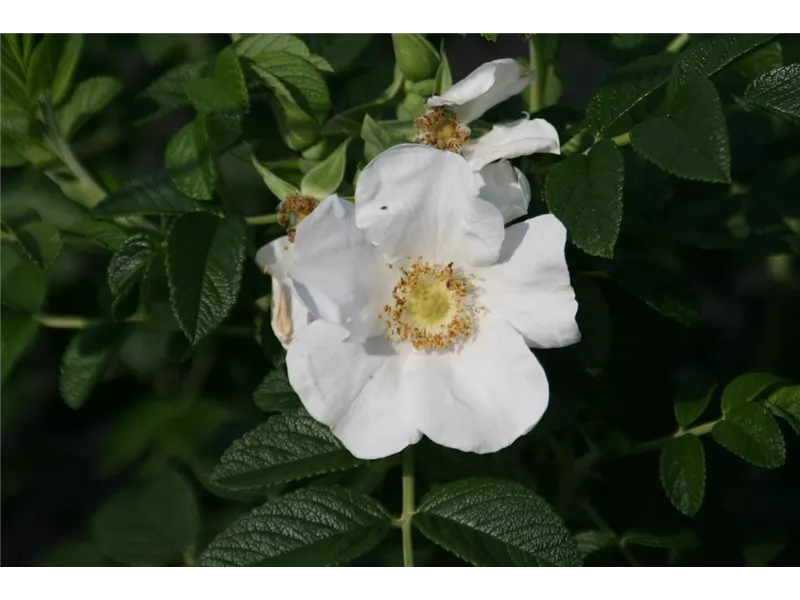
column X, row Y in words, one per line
column 262, row 220
column 677, row 44
column 408, row 506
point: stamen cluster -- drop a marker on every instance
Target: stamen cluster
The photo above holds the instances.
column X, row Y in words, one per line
column 440, row 128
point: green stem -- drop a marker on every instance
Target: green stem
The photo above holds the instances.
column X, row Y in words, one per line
column 623, row 139
column 262, row 220
column 76, row 322
column 408, row 506
column 677, row 44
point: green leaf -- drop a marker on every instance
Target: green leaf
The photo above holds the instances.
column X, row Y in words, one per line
column 594, row 323
column 204, row 265
column 625, row 88
column 350, row 121
column 40, row 241
column 16, row 333
column 297, row 128
column 662, row 288
column 761, row 61
column 67, row 62
column 341, row 50
column 376, row 138
column 108, row 234
column 151, row 525
column 85, row 360
column 787, row 401
column 443, row 78
column 492, row 522
column 276, row 185
column 129, row 263
column 13, row 74
column 287, row 447
column 691, row 140
column 746, row 388
column 683, row 473
column 169, row 90
column 90, row 97
column 711, row 54
column 585, row 193
column 309, row 527
column 251, row 46
column 146, row 196
column 324, row 179
column 133, row 432
column 274, row 394
column 190, row 162
column 590, row 542
column 673, row 543
column 415, row 56
column 23, row 283
column 750, row 432
column 225, row 90
column 303, row 81
column 693, row 398
column 777, row 91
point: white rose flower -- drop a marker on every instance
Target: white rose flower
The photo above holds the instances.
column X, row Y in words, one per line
column 445, row 126
column 426, row 307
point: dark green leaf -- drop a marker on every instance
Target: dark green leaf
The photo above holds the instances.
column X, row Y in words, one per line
column 443, row 80
column 147, row 196
column 297, row 127
column 492, row 522
column 594, row 322
column 204, row 265
column 787, row 402
column 130, row 262
column 309, row 527
column 16, row 333
column 691, row 140
column 692, row 399
column 169, row 90
column 590, row 542
column 761, row 61
column 276, row 185
column 40, row 241
column 585, row 193
column 134, row 430
column 251, row 46
column 85, row 361
column 152, row 525
column 683, row 473
column 625, row 88
column 415, row 56
column 751, row 433
column 746, row 388
column 303, row 81
column 777, row 91
column 341, row 50
column 287, row 447
column 190, row 162
column 52, row 64
column 13, row 74
column 674, row 543
column 108, row 234
column 90, row 97
column 663, row 289
column 23, row 283
column 225, row 90
column 274, row 394
column 711, row 54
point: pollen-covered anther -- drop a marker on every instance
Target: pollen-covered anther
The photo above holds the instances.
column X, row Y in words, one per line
column 432, row 307
column 294, row 209
column 440, row 128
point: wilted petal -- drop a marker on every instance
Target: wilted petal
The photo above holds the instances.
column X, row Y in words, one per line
column 506, row 188
column 486, row 86
column 520, row 138
column 483, row 397
column 357, row 389
column 414, row 200
column 529, row 286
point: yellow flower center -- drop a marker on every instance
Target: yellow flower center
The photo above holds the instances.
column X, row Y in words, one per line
column 440, row 128
column 433, row 306
column 292, row 210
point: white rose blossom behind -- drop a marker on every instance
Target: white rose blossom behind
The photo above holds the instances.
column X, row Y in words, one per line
column 427, row 307
column 445, row 126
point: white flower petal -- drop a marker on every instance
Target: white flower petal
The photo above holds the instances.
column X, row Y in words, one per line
column 483, row 397
column 486, row 86
column 520, row 138
column 529, row 286
column 336, row 273
column 418, row 201
column 354, row 388
column 276, row 257
column 506, row 188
